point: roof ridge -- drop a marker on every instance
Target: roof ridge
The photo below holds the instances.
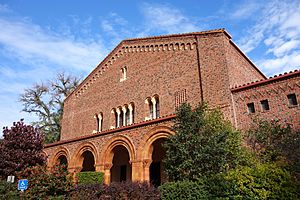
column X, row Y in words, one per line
column 220, row 30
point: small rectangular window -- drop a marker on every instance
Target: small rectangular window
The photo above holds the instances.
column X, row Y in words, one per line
column 292, row 99
column 251, row 108
column 265, row 104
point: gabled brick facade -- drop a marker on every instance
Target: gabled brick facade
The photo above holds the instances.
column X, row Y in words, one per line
column 127, row 102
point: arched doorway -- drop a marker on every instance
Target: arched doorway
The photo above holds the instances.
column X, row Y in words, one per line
column 121, row 169
column 88, row 161
column 156, row 169
column 62, row 160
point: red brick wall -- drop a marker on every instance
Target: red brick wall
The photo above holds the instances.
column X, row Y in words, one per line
column 241, row 70
column 276, row 92
column 162, row 66
column 161, row 72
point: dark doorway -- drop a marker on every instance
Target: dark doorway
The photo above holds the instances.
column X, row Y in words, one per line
column 123, row 172
column 121, row 169
column 157, row 173
column 62, row 160
column 88, row 163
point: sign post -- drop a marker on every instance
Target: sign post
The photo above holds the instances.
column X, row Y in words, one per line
column 23, row 185
column 11, row 179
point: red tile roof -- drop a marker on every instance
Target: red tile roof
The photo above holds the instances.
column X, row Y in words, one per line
column 266, row 81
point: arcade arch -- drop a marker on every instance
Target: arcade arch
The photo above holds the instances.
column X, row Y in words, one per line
column 117, row 159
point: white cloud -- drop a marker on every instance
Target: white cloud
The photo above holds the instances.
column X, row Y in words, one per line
column 167, row 19
column 30, row 53
column 281, row 64
column 277, row 30
column 245, row 10
column 29, row 42
column 281, row 50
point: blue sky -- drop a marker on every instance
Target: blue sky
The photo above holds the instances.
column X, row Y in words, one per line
column 41, row 38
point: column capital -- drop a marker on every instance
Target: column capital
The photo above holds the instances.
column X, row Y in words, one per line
column 107, row 166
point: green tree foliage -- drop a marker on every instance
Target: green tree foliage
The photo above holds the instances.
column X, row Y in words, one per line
column 21, row 148
column 46, row 101
column 204, row 144
column 47, row 184
column 276, row 142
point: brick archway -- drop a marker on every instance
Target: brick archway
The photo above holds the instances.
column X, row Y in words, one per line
column 108, row 154
column 146, row 148
column 62, row 151
column 77, row 159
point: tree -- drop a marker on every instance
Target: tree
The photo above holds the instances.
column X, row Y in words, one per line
column 46, row 101
column 21, row 148
column 204, row 144
column 274, row 141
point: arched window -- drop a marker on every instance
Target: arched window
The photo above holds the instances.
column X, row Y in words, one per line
column 99, row 121
column 113, row 118
column 150, row 107
column 154, row 107
column 123, row 74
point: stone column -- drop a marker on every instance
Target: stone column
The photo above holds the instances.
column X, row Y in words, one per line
column 130, row 108
column 107, row 168
column 124, row 109
column 118, row 117
column 146, row 169
column 137, row 170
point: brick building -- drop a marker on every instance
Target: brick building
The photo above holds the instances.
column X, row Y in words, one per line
column 118, row 117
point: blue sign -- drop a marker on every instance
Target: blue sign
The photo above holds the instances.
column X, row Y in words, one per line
column 23, row 184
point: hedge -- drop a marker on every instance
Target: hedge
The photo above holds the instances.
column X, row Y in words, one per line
column 179, row 190
column 117, row 191
column 90, row 177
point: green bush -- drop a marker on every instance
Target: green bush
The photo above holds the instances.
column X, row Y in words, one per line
column 90, row 177
column 264, row 181
column 44, row 184
column 9, row 191
column 188, row 190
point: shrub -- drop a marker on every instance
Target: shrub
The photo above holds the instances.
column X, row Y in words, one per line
column 55, row 183
column 264, row 181
column 130, row 190
column 188, row 190
column 9, row 191
column 86, row 192
column 116, row 191
column 90, row 177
